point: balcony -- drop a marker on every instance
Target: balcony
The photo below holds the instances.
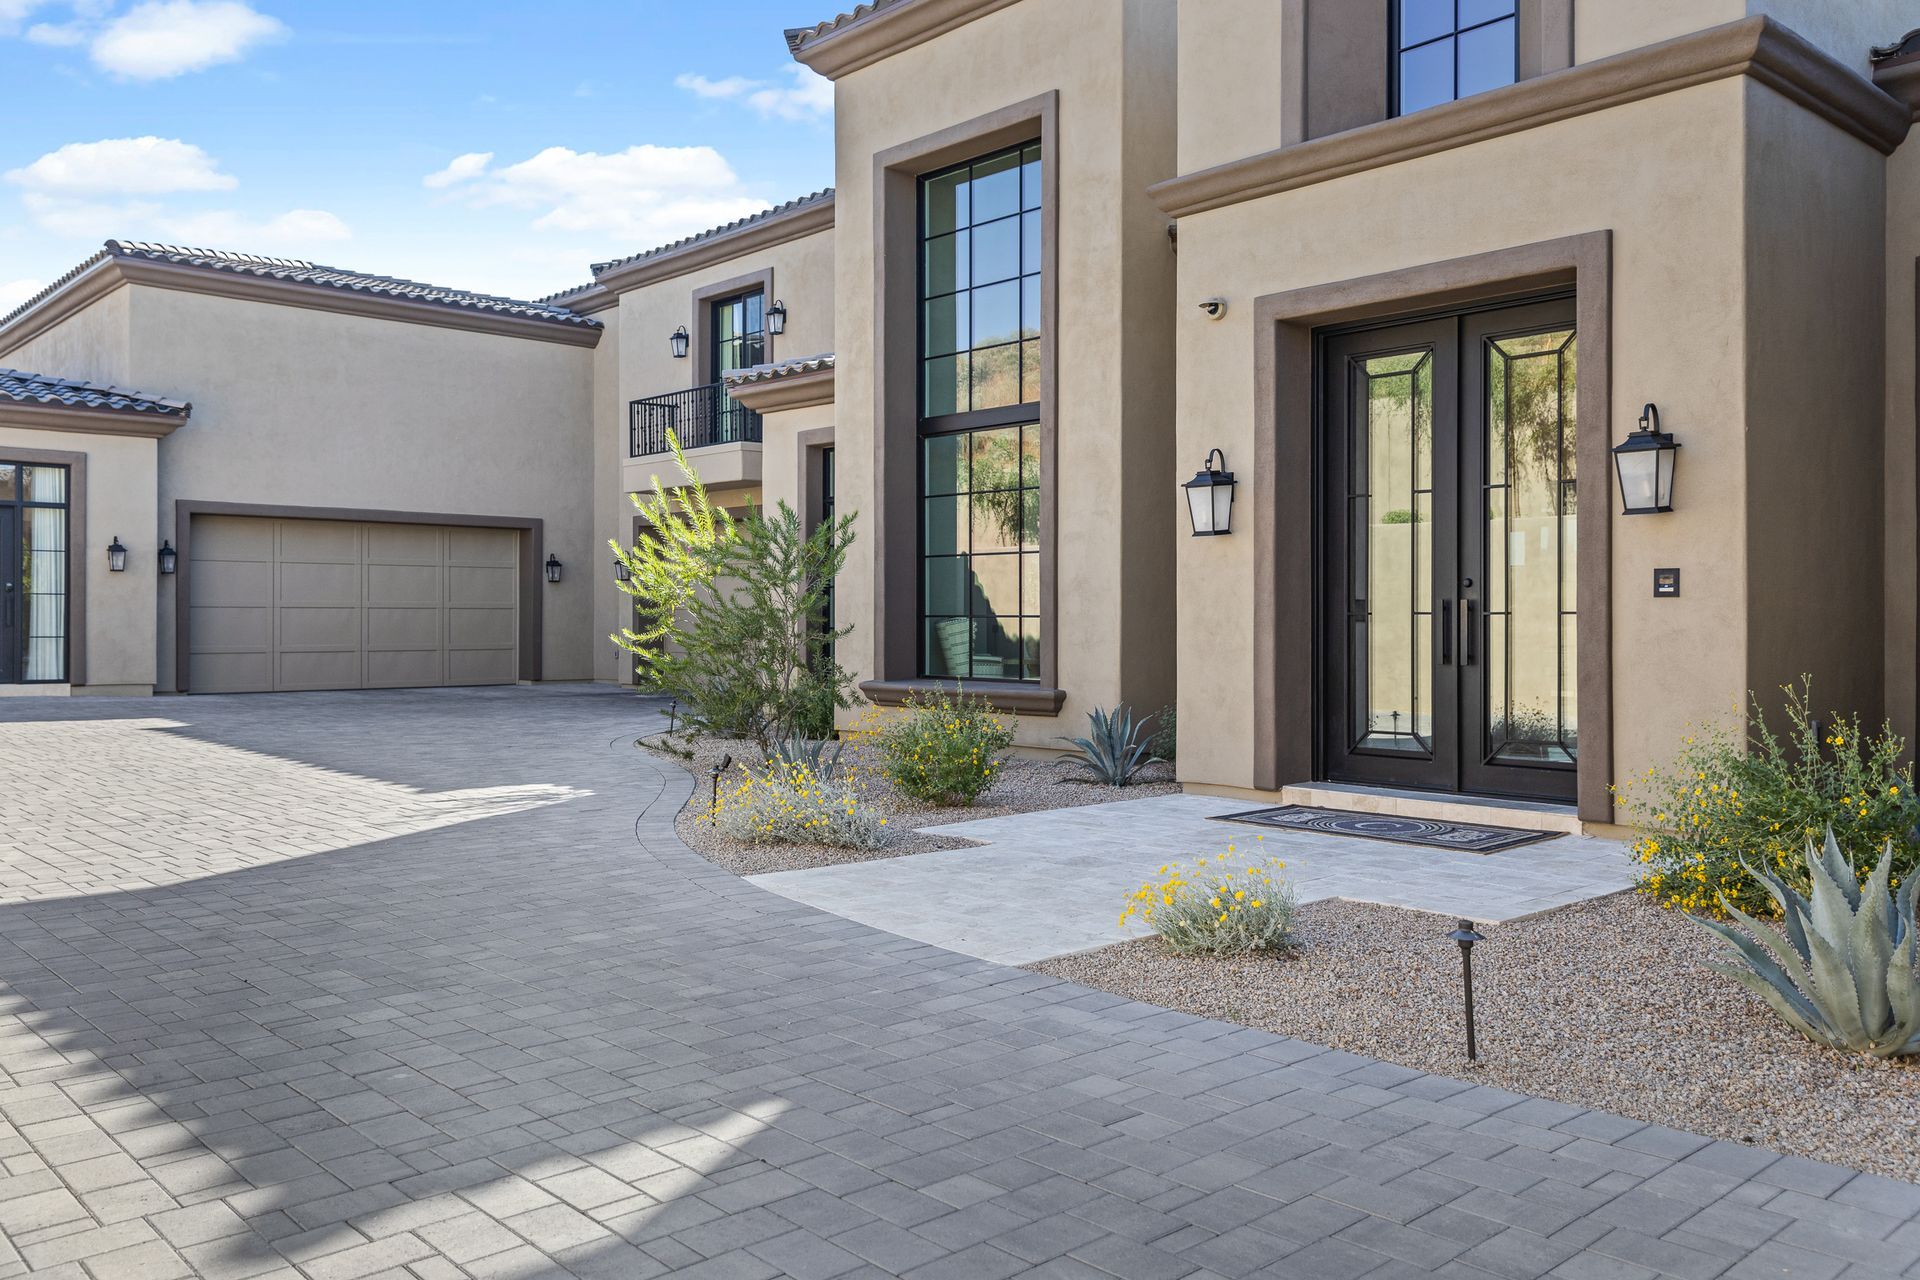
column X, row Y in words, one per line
column 698, row 417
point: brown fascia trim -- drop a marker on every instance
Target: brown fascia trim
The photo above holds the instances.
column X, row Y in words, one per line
column 1020, row 699
column 104, row 422
column 110, row 273
column 763, row 234
column 1901, row 81
column 871, row 37
column 1758, row 47
column 532, row 638
column 589, row 301
column 800, row 390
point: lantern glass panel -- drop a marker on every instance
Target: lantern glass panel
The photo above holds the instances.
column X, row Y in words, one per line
column 1222, row 508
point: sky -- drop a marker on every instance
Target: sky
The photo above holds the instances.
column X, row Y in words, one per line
column 494, row 145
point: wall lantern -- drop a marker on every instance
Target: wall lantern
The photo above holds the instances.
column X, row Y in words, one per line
column 169, row 559
column 1210, row 498
column 116, row 557
column 1645, row 462
column 620, row 571
column 777, row 318
column 553, row 567
column 678, row 340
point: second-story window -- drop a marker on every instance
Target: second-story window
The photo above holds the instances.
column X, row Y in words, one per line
column 980, row 264
column 1448, row 49
column 738, row 337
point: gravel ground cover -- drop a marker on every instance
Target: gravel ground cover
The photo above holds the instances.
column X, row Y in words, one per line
column 1023, row 786
column 1608, row 1005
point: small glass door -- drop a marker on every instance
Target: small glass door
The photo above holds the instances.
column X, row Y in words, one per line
column 12, row 597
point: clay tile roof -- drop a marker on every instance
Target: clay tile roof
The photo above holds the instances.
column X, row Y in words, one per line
column 301, row 272
column 799, row 38
column 778, row 369
column 804, row 202
column 1905, row 47
column 42, row 390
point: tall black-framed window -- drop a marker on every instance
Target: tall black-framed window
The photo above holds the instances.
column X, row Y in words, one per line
column 736, row 334
column 34, row 605
column 1448, row 49
column 980, row 265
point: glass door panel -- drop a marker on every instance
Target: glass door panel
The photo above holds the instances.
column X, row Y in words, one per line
column 12, row 602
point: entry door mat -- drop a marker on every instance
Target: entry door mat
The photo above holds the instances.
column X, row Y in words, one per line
column 1461, row 837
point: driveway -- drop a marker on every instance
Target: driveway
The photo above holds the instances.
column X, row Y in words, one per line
column 421, row 983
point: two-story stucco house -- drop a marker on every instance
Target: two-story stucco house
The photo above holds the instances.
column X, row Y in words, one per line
column 1411, row 272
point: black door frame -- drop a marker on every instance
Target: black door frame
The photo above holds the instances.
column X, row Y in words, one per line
column 1451, row 769
column 13, row 603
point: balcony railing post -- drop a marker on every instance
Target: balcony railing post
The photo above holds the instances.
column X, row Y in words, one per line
column 699, row 416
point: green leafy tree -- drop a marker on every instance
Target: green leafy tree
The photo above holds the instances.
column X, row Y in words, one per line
column 676, row 557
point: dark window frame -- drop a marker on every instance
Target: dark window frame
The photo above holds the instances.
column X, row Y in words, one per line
column 20, row 504
column 714, row 345
column 1397, row 49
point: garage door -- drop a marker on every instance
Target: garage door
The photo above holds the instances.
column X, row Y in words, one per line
column 325, row 604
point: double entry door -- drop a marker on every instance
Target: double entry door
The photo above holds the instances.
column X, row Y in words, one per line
column 1448, row 584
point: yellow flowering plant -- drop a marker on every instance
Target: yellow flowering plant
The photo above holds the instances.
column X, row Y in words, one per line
column 948, row 748
column 1224, row 905
column 1764, row 799
column 789, row 802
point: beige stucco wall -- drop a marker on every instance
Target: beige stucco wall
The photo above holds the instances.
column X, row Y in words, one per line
column 1230, row 72
column 1902, row 483
column 781, row 455
column 312, row 408
column 92, row 344
column 120, row 501
column 610, row 507
column 1665, row 175
column 1112, row 64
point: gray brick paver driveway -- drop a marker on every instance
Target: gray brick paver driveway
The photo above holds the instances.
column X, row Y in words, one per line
column 421, row 984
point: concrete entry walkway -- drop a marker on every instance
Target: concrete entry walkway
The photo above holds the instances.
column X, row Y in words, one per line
column 1053, row 883
column 549, row 1041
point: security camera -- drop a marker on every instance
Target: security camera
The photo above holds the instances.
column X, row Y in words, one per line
column 1214, row 307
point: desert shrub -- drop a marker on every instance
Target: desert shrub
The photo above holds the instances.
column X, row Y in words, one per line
column 821, row 756
column 946, row 748
column 1763, row 799
column 1166, row 734
column 1223, row 906
column 1115, row 746
column 1842, row 971
column 786, row 802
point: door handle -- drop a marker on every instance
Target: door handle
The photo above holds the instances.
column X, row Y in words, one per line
column 1469, row 635
column 1446, row 633
column 9, row 599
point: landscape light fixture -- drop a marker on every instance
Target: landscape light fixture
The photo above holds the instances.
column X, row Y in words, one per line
column 1645, row 462
column 1466, row 936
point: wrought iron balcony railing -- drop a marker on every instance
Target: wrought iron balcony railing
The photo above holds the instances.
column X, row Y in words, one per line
column 698, row 417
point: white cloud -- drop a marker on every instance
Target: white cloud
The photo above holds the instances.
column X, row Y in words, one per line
column 164, row 38
column 644, row 195
column 808, row 97
column 290, row 234
column 123, row 166
column 59, row 35
column 14, row 12
column 460, row 169
column 15, row 292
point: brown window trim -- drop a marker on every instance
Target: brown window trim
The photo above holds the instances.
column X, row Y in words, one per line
column 896, row 524
column 77, row 553
column 1284, row 656
column 533, row 579
column 1019, row 697
column 702, row 325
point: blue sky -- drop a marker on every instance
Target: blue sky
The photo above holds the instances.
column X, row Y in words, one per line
column 499, row 145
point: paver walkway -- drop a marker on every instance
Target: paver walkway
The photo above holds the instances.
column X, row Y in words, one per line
column 420, row 984
column 1051, row 883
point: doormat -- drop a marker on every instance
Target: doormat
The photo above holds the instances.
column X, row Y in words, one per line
column 1462, row 837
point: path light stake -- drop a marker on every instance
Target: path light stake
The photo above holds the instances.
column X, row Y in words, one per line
column 673, row 716
column 725, row 762
column 1466, row 937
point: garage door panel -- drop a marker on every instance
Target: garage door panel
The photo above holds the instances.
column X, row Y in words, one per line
column 230, row 582
column 403, row 584
column 313, row 604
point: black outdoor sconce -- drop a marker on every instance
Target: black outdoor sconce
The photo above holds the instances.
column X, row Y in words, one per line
column 620, row 571
column 169, row 559
column 678, row 340
column 1645, row 462
column 777, row 318
column 553, row 567
column 1210, row 498
column 116, row 556
column 1466, row 936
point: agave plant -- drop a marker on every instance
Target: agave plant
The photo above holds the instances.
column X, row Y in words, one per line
column 811, row 752
column 1840, row 970
column 1114, row 749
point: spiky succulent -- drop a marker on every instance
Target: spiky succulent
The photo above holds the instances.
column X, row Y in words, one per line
column 1840, row 967
column 811, row 752
column 1114, row 749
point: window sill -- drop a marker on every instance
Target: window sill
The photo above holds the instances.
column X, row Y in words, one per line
column 1001, row 695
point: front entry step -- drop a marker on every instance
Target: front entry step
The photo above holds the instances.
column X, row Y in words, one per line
column 1526, row 815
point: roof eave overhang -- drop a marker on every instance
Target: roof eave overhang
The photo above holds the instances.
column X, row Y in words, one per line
column 1901, row 81
column 801, row 389
column 103, row 422
column 870, row 38
column 111, row 273
column 1759, row 48
column 797, row 224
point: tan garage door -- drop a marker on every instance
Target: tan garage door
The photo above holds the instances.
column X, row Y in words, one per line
column 324, row 604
